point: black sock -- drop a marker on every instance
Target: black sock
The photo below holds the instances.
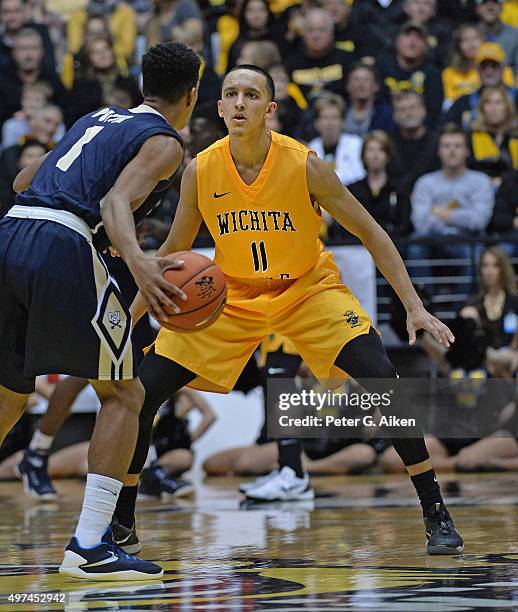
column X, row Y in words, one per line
column 290, row 450
column 125, row 509
column 427, row 489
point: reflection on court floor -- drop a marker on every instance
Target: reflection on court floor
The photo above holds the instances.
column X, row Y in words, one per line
column 359, row 545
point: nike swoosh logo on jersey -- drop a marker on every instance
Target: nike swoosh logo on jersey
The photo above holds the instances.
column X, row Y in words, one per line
column 276, row 370
column 220, row 195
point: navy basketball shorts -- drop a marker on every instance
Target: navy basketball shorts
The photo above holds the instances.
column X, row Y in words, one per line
column 60, row 310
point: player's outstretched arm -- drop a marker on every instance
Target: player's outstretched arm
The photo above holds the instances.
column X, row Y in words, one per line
column 157, row 159
column 325, row 187
column 186, row 224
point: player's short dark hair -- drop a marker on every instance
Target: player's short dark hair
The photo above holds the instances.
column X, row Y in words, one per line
column 270, row 87
column 169, row 71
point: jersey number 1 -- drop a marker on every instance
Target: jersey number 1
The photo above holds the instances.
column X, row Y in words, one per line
column 69, row 158
column 259, row 256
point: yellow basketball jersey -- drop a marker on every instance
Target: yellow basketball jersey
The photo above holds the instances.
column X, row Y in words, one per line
column 268, row 229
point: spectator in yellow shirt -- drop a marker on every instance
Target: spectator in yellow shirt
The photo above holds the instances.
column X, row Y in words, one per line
column 462, row 77
column 122, row 20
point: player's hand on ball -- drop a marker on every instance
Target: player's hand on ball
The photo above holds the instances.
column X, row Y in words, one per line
column 155, row 289
column 422, row 319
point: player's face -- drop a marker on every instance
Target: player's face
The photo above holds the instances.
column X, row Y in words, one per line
column 490, row 270
column 245, row 104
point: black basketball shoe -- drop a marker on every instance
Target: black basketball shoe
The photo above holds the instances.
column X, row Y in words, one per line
column 125, row 538
column 441, row 535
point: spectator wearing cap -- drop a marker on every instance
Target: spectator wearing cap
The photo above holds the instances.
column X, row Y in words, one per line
column 490, row 60
column 410, row 70
column 342, row 151
column 461, row 77
column 15, row 15
column 366, row 110
column 506, row 36
column 28, row 68
column 319, row 65
column 415, row 144
column 439, row 29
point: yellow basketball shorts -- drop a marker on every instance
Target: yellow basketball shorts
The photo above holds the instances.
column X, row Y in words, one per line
column 317, row 312
column 274, row 343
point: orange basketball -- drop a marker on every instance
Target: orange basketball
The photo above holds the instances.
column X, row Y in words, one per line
column 204, row 284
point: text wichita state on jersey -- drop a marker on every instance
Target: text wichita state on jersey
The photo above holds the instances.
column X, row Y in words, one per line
column 269, row 229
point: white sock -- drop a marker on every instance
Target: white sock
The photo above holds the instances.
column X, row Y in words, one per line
column 101, row 494
column 40, row 441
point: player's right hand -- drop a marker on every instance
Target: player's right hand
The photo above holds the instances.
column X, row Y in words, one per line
column 154, row 288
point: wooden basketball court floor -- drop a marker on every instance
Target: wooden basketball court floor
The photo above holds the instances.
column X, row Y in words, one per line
column 359, row 546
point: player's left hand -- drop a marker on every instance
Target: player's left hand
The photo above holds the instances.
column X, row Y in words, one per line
column 422, row 319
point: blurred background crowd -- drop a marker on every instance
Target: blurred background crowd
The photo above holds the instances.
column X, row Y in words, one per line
column 413, row 103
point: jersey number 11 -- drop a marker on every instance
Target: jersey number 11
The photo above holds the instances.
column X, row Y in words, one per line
column 259, row 257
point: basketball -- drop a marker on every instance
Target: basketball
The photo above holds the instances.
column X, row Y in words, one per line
column 204, row 284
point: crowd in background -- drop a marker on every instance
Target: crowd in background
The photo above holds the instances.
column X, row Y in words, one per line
column 375, row 87
column 413, row 103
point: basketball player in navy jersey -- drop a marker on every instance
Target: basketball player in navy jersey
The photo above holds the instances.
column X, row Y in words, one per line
column 61, row 312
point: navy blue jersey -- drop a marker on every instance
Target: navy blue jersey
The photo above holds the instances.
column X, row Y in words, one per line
column 84, row 165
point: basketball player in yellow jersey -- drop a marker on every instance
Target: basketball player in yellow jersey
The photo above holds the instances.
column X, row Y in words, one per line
column 260, row 194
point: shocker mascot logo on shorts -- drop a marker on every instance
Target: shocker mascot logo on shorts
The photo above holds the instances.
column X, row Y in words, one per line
column 352, row 318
